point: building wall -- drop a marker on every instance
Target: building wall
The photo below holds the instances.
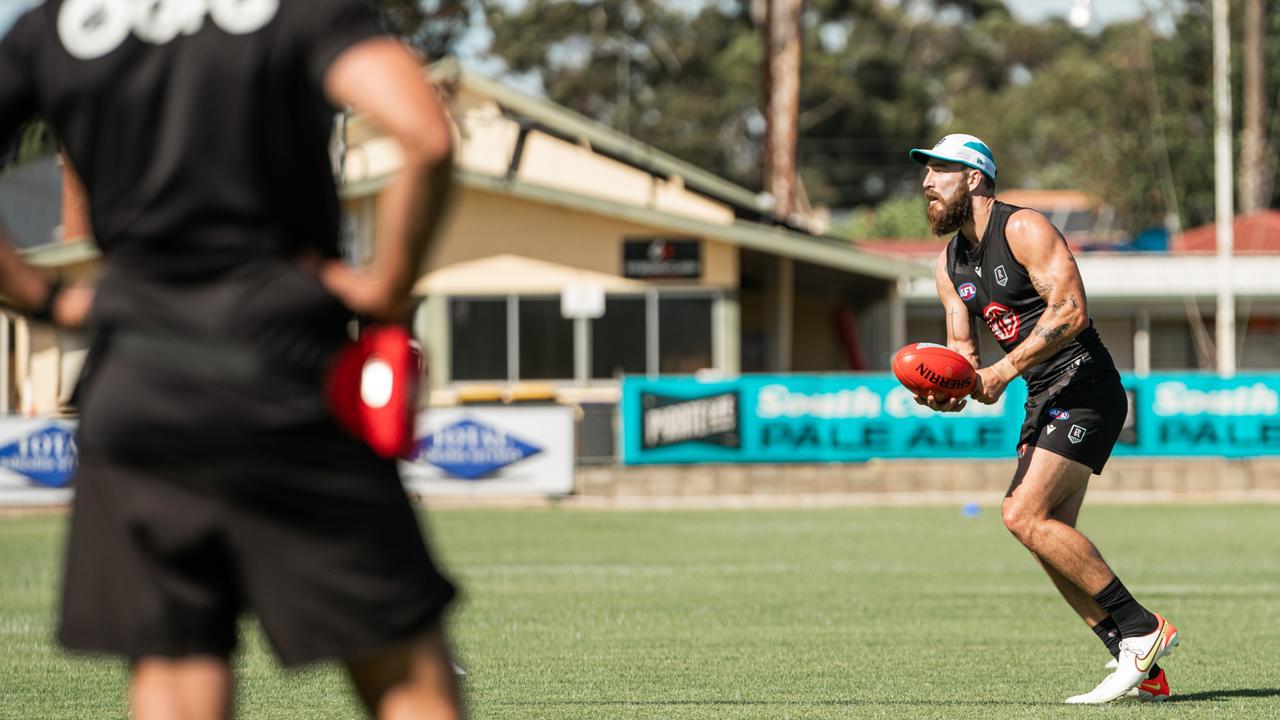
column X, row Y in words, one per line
column 816, row 343
column 482, row 225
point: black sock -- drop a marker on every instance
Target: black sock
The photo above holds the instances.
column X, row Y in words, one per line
column 1155, row 670
column 1130, row 617
column 1109, row 634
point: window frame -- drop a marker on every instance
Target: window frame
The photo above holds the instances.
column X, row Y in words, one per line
column 653, row 355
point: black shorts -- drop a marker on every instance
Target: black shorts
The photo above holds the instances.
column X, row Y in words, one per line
column 303, row 525
column 1081, row 421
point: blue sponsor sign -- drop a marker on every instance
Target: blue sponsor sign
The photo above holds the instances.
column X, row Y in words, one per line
column 797, row 418
column 850, row 418
column 46, row 456
column 1205, row 415
column 471, row 450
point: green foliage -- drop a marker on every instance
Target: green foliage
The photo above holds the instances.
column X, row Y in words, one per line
column 433, row 27
column 1125, row 114
column 691, row 84
column 901, row 217
column 33, row 140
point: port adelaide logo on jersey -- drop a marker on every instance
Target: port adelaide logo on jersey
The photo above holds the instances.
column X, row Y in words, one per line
column 712, row 420
column 968, row 291
column 1002, row 277
column 1004, row 323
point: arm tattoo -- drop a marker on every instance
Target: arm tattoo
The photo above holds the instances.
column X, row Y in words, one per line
column 1042, row 286
column 1052, row 335
column 1068, row 300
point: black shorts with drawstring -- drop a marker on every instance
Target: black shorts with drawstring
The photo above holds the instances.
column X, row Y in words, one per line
column 315, row 536
column 1080, row 421
column 204, row 492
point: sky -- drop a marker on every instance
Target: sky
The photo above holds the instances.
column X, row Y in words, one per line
column 1107, row 11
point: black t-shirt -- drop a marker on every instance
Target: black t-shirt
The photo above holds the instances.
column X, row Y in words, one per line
column 202, row 134
column 193, row 129
column 996, row 289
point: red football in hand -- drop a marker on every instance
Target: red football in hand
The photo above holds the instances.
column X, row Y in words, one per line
column 925, row 368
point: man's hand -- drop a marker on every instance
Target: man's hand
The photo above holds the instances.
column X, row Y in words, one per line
column 941, row 404
column 71, row 307
column 988, row 386
column 363, row 293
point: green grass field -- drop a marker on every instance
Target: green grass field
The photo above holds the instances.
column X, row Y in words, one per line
column 851, row 613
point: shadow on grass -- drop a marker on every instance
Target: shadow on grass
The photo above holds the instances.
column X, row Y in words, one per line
column 1219, row 695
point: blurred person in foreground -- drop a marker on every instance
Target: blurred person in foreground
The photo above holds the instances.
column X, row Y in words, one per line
column 1010, row 269
column 213, row 478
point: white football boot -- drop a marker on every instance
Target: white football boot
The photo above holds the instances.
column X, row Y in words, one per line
column 1137, row 655
column 1153, row 689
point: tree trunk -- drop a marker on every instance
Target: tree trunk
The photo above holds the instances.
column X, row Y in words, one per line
column 782, row 101
column 1253, row 151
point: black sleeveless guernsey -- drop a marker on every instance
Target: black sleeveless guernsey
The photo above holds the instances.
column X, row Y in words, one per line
column 996, row 289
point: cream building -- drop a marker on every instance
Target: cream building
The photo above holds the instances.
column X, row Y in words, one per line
column 551, row 214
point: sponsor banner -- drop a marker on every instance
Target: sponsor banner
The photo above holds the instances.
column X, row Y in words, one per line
column 826, row 418
column 1205, row 415
column 796, row 418
column 501, row 450
column 37, row 460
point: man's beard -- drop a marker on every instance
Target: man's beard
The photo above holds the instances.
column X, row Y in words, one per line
column 947, row 217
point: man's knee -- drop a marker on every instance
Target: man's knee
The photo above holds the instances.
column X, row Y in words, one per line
column 411, row 680
column 408, row 702
column 1024, row 522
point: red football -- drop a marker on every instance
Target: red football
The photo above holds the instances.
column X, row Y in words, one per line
column 930, row 368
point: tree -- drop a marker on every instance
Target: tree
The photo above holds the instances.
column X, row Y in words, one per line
column 691, row 83
column 433, row 27
column 1125, row 114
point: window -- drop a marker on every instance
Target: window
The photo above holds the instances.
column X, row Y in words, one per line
column 1117, row 334
column 546, row 340
column 1171, row 345
column 479, row 338
column 618, row 338
column 526, row 338
column 684, row 334
column 1260, row 336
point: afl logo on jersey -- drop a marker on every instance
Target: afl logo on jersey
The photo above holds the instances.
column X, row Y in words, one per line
column 1004, row 323
column 1002, row 277
column 968, row 291
column 92, row 28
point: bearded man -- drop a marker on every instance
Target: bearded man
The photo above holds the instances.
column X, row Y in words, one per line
column 1011, row 269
